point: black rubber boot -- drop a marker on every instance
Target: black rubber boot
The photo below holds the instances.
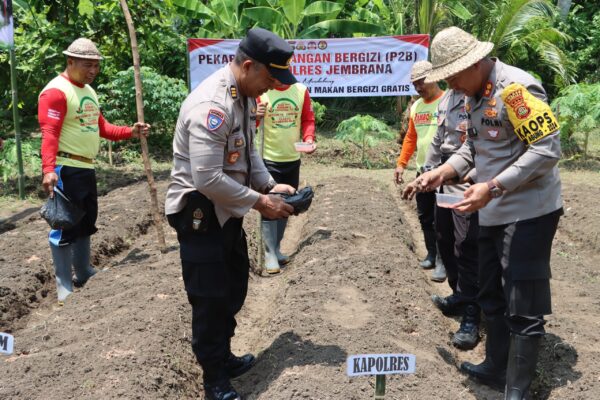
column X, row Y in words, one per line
column 492, row 371
column 450, row 305
column 522, row 359
column 216, row 382
column 467, row 335
column 220, row 391
column 237, row 366
column 430, row 245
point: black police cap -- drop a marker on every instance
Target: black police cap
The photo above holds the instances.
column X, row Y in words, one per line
column 269, row 49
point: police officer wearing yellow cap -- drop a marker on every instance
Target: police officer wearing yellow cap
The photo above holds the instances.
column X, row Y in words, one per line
column 513, row 141
column 217, row 178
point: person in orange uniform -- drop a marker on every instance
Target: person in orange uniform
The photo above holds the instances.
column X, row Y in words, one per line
column 72, row 125
column 422, row 126
column 288, row 117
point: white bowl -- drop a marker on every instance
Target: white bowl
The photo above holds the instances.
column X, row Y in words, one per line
column 304, row 147
column 447, row 200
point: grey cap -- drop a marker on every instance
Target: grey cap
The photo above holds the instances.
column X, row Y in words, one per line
column 420, row 70
column 83, row 48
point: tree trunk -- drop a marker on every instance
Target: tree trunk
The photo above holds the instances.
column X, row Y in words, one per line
column 563, row 6
column 140, row 113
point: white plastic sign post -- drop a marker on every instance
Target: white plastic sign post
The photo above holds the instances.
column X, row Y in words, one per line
column 380, row 364
column 6, row 343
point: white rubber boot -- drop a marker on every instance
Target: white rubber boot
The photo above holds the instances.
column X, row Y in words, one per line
column 269, row 231
column 281, row 224
column 81, row 261
column 62, row 258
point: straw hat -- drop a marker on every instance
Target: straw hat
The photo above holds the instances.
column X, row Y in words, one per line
column 83, row 48
column 454, row 50
column 420, row 70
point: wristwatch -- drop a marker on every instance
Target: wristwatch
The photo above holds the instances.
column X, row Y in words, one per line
column 495, row 190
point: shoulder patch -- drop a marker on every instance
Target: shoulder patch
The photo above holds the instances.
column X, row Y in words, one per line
column 531, row 117
column 215, row 119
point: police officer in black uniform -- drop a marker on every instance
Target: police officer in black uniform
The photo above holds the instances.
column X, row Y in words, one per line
column 217, row 178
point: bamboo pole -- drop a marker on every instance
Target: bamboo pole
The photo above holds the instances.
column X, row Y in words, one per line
column 15, row 104
column 140, row 112
column 261, row 248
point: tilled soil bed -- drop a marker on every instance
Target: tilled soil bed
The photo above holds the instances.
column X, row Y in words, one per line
column 353, row 287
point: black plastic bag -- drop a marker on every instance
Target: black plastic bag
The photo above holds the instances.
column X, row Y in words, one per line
column 301, row 200
column 59, row 212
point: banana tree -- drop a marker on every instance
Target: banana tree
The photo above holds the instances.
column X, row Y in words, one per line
column 296, row 19
column 221, row 18
column 288, row 18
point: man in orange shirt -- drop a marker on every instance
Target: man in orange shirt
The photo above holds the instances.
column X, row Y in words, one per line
column 422, row 126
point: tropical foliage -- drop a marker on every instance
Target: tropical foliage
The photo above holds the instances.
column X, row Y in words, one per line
column 31, row 159
column 578, row 108
column 531, row 34
column 525, row 33
column 364, row 131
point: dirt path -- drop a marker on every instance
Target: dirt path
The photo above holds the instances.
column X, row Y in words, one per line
column 353, row 287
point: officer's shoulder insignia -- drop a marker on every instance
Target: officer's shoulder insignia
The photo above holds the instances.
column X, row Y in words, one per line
column 215, row 119
column 489, row 86
column 233, row 91
column 531, row 117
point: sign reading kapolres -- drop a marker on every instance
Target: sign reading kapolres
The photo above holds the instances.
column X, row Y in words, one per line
column 352, row 67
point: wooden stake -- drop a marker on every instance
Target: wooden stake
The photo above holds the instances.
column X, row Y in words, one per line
column 140, row 113
column 379, row 387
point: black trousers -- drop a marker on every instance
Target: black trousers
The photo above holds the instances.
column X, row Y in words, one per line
column 215, row 270
column 514, row 274
column 79, row 184
column 426, row 214
column 456, row 236
column 284, row 172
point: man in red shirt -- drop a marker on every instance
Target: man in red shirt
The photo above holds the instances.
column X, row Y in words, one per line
column 72, row 124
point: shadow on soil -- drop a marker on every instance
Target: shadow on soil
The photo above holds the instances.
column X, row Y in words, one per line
column 287, row 351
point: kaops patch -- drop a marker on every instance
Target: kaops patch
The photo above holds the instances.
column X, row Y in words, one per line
column 214, row 119
column 532, row 118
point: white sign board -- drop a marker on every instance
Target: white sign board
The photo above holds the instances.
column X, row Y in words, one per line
column 349, row 67
column 381, row 364
column 6, row 343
